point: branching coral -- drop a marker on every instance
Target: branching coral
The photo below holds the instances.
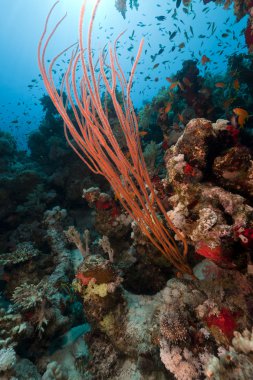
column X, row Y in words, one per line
column 28, row 296
column 24, row 252
column 11, row 328
column 74, row 236
column 180, row 362
column 217, row 368
column 230, row 364
column 105, row 244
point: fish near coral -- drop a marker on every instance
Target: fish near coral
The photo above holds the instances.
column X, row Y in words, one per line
column 242, row 116
column 168, row 107
column 173, row 85
column 220, row 84
column 181, row 118
column 143, row 133
column 236, row 84
column 204, row 60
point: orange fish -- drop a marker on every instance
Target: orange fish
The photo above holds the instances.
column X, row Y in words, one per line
column 236, row 84
column 187, row 82
column 169, row 79
column 182, row 45
column 143, row 133
column 173, row 85
column 168, row 107
column 242, row 115
column 220, row 84
column 181, row 118
column 205, row 59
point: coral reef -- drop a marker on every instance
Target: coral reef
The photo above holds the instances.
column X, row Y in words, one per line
column 201, row 209
column 84, row 294
column 173, row 327
column 241, row 8
column 60, row 272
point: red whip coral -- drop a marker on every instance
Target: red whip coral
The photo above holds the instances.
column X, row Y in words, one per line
column 95, row 143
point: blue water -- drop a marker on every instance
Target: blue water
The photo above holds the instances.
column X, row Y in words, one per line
column 22, row 22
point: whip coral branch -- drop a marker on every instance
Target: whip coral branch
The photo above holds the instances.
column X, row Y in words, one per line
column 92, row 138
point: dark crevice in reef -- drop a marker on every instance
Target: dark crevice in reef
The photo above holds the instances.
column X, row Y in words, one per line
column 139, row 279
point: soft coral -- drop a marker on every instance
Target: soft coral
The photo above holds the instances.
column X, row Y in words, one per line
column 225, row 321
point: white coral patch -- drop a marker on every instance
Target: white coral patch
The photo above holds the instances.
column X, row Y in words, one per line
column 7, row 358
